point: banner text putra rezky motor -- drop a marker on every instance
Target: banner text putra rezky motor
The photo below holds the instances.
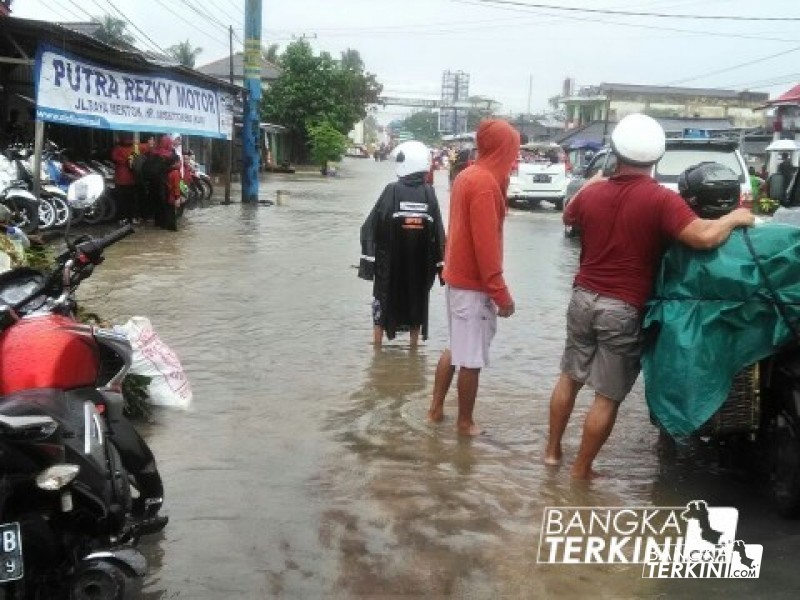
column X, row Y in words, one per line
column 74, row 90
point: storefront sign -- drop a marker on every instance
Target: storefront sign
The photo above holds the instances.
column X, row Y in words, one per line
column 74, row 91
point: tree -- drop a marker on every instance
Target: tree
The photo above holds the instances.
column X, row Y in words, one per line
column 316, row 88
column 184, row 53
column 424, row 125
column 112, row 31
column 326, row 143
column 272, row 53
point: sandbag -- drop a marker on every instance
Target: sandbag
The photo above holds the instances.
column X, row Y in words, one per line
column 712, row 314
column 152, row 358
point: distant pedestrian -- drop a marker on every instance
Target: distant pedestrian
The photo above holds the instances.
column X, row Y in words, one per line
column 476, row 291
column 402, row 245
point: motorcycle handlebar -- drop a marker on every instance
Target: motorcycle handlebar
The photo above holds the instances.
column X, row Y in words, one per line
column 93, row 249
column 115, row 236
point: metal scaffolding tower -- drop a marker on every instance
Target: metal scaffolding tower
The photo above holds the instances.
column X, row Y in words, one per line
column 454, row 104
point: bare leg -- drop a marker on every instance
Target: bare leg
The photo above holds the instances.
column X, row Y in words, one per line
column 377, row 335
column 467, row 392
column 599, row 423
column 562, row 401
column 441, row 385
column 414, row 337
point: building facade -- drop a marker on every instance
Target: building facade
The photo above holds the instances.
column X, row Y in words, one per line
column 613, row 101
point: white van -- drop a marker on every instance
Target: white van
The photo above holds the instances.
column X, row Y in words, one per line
column 540, row 174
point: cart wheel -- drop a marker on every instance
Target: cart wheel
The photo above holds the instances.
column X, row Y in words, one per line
column 784, row 465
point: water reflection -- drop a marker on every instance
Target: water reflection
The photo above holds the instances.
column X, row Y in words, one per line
column 306, row 468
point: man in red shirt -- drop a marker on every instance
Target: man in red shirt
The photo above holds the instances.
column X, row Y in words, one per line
column 473, row 269
column 625, row 223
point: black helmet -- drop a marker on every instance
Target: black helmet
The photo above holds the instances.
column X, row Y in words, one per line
column 711, row 189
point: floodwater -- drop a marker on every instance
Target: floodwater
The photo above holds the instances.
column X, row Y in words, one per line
column 305, row 468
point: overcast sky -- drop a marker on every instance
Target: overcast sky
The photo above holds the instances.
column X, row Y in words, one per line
column 409, row 43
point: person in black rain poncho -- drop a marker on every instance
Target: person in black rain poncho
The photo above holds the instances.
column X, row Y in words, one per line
column 402, row 247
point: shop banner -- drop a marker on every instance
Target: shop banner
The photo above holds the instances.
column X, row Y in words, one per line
column 74, row 91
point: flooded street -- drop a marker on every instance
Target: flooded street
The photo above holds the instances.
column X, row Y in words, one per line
column 305, row 468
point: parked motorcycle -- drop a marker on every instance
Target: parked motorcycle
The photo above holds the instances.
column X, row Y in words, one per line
column 759, row 422
column 78, row 485
column 23, row 205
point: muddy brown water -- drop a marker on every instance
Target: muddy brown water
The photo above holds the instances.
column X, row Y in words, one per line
column 305, row 468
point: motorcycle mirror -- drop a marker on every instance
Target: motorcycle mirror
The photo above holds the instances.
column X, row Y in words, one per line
column 84, row 192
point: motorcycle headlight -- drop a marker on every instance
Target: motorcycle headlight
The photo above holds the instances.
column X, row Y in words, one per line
column 56, row 477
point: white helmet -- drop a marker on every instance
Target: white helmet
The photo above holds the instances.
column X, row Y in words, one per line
column 638, row 140
column 411, row 157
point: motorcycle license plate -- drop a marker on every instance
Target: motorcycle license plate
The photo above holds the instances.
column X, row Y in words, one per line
column 10, row 552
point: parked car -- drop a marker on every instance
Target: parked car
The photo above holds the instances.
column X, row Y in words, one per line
column 464, row 158
column 541, row 174
column 681, row 153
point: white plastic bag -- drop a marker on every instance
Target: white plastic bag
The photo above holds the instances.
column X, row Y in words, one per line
column 153, row 358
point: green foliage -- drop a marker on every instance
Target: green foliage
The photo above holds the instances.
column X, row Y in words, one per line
column 134, row 391
column 424, row 125
column 767, row 206
column 40, row 257
column 314, row 89
column 112, row 31
column 184, row 53
column 327, row 143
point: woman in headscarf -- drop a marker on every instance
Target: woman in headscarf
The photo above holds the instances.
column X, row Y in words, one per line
column 160, row 162
column 402, row 247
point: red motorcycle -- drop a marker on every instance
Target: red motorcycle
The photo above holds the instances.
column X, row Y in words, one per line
column 78, row 485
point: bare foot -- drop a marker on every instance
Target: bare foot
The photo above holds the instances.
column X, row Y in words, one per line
column 435, row 416
column 469, row 430
column 585, row 474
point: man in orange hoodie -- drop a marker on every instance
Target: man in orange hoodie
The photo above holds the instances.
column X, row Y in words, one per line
column 473, row 269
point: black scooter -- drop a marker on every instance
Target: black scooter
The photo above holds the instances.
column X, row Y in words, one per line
column 78, row 485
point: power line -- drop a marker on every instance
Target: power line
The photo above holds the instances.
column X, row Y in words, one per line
column 625, row 13
column 80, row 8
column 205, row 15
column 735, row 67
column 183, row 17
column 636, row 25
column 134, row 25
column 69, row 12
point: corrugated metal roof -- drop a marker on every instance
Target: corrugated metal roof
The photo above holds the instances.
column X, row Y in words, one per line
column 221, row 68
column 662, row 90
column 28, row 32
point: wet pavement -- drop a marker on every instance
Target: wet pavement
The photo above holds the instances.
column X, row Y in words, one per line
column 305, row 468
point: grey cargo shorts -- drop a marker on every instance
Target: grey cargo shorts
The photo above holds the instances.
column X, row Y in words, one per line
column 604, row 343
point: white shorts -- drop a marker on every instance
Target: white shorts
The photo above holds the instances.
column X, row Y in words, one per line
column 472, row 320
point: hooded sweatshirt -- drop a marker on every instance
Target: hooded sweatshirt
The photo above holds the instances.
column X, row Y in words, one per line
column 474, row 251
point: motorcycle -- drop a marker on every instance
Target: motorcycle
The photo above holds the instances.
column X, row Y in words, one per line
column 759, row 422
column 78, row 486
column 23, row 205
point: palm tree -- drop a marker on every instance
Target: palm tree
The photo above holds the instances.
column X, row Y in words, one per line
column 184, row 53
column 112, row 31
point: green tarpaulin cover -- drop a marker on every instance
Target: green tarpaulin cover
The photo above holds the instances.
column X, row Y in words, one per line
column 712, row 314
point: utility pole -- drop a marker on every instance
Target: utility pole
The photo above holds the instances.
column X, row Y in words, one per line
column 252, row 83
column 530, row 93
column 229, row 162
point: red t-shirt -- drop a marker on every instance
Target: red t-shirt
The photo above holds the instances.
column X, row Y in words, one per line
column 625, row 223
